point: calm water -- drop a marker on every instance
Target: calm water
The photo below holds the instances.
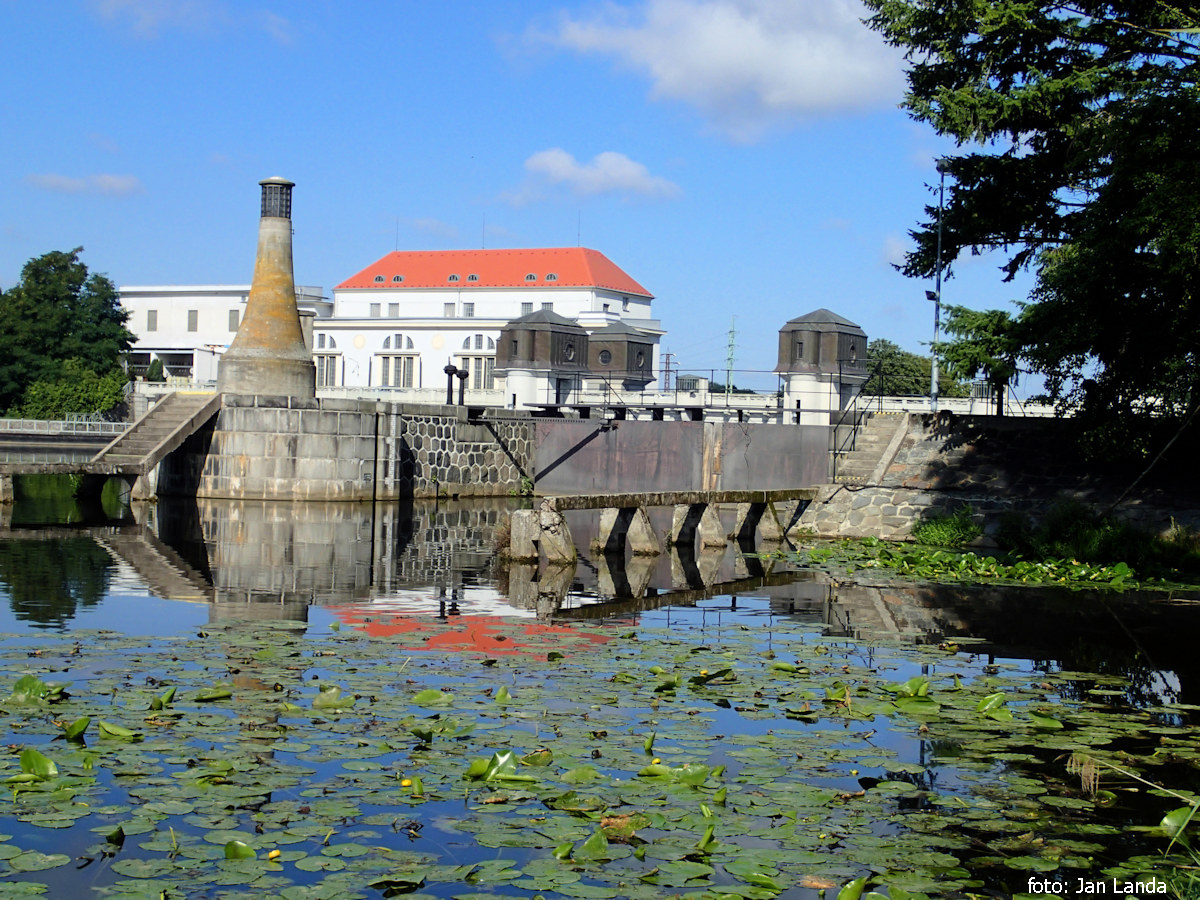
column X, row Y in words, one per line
column 388, row 568
column 404, row 571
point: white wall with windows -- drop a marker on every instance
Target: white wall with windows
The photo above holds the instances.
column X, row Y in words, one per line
column 188, row 327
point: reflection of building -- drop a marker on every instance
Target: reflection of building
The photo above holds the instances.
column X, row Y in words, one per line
column 187, row 327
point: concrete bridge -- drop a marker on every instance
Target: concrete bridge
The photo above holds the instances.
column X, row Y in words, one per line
column 624, row 521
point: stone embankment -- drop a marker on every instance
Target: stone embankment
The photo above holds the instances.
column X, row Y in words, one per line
column 937, row 464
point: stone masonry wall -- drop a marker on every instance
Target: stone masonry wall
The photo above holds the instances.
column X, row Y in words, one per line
column 994, row 466
column 293, row 448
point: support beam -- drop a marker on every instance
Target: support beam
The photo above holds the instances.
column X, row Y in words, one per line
column 556, row 540
column 524, row 535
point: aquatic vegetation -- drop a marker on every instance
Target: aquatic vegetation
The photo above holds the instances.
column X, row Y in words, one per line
column 740, row 760
column 954, row 529
column 927, row 564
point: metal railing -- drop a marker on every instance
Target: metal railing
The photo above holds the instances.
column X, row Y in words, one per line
column 74, row 425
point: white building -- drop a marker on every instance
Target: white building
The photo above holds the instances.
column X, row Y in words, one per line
column 188, row 327
column 399, row 322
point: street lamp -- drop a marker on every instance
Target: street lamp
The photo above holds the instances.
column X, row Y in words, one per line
column 936, row 294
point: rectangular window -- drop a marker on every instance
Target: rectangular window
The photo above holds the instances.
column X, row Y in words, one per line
column 193, row 320
column 152, row 320
column 396, row 371
column 479, row 342
column 327, row 369
column 481, row 369
column 393, row 310
column 233, row 320
column 374, row 310
column 526, row 308
column 468, row 310
column 549, row 307
column 448, row 311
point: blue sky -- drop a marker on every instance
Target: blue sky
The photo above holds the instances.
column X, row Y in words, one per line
column 737, row 157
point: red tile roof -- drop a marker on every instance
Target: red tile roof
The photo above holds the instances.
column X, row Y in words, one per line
column 572, row 266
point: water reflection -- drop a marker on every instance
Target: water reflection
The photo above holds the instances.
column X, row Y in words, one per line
column 389, row 568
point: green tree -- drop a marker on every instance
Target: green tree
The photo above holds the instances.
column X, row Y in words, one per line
column 985, row 342
column 75, row 389
column 58, row 312
column 1079, row 133
column 899, row 373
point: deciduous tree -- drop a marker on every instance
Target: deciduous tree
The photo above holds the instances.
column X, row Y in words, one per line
column 58, row 312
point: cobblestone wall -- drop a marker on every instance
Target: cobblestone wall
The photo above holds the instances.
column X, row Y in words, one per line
column 993, row 466
column 292, row 448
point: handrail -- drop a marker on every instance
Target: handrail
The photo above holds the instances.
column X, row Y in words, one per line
column 77, row 425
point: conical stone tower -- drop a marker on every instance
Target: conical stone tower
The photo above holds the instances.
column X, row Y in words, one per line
column 268, row 355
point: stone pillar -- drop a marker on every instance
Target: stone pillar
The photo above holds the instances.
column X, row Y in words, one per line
column 6, row 490
column 268, row 354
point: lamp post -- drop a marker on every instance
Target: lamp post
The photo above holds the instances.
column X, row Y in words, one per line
column 936, row 294
column 451, row 370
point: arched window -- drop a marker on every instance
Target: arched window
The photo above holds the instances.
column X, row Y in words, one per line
column 379, row 278
column 472, row 278
column 531, row 277
column 452, row 278
column 552, row 277
column 397, row 278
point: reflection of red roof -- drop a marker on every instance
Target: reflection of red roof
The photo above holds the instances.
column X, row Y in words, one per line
column 490, row 635
column 571, row 267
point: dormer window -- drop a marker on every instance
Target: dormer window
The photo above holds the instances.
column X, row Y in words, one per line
column 551, row 277
column 472, row 278
column 452, row 278
column 379, row 278
column 397, row 278
column 531, row 277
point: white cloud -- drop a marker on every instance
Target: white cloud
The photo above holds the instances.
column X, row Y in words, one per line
column 149, row 18
column 894, row 250
column 607, row 173
column 113, row 185
column 747, row 65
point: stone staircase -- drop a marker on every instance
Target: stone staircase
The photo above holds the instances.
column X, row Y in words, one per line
column 874, row 438
column 162, row 429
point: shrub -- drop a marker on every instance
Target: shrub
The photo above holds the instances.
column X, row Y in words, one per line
column 954, row 529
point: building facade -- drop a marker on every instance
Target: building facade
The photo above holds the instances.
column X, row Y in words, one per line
column 188, row 327
column 399, row 323
column 404, row 319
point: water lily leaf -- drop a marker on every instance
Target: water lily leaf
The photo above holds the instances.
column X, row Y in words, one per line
column 212, row 694
column 30, row 689
column 330, row 697
column 74, row 731
column 433, row 699
column 992, row 701
column 163, row 700
column 116, row 732
column 595, row 847
column 502, row 695
column 554, row 656
column 33, row 861
column 753, row 873
column 36, row 764
column 1173, row 824
column 239, row 850
column 502, row 766
column 852, row 890
column 1045, row 723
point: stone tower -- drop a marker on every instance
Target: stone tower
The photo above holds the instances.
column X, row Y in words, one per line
column 268, row 355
